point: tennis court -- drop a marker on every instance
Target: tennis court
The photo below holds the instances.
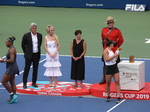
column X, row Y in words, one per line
column 41, row 103
column 15, row 20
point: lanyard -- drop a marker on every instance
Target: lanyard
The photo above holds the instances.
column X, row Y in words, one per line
column 109, row 31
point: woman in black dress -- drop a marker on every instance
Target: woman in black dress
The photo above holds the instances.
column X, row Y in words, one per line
column 77, row 50
column 11, row 70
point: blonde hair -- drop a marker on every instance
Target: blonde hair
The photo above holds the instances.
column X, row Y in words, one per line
column 54, row 37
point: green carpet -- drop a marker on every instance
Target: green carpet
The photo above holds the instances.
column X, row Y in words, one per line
column 15, row 20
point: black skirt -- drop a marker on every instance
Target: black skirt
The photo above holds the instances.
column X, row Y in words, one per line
column 111, row 69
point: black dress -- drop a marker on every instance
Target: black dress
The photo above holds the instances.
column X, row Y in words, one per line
column 11, row 67
column 78, row 67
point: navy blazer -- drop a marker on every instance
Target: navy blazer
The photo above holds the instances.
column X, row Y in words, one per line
column 27, row 45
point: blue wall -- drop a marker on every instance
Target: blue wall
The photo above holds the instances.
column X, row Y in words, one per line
column 105, row 4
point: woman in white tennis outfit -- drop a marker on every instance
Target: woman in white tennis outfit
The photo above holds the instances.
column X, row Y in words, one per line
column 111, row 70
column 52, row 64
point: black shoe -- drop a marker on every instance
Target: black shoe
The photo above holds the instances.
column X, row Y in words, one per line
column 34, row 85
column 25, row 86
column 103, row 81
column 118, row 100
column 108, row 99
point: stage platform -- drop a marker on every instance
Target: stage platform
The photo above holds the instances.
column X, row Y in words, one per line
column 98, row 90
column 62, row 89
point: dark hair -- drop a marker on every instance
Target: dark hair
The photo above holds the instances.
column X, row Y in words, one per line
column 11, row 39
column 109, row 42
column 77, row 32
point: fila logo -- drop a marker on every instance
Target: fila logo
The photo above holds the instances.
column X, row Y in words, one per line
column 135, row 7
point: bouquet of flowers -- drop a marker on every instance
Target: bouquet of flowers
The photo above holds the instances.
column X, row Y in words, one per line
column 118, row 51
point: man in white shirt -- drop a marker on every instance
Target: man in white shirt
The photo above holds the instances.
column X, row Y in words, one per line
column 31, row 46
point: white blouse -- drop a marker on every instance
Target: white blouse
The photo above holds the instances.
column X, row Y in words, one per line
column 111, row 62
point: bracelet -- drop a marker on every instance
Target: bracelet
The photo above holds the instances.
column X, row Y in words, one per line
column 56, row 51
column 4, row 60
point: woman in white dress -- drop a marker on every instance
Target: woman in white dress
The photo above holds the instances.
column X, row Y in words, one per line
column 52, row 64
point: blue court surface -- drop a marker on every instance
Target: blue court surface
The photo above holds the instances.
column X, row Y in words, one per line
column 37, row 103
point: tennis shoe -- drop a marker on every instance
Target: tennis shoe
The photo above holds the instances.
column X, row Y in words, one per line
column 13, row 99
column 108, row 99
column 118, row 100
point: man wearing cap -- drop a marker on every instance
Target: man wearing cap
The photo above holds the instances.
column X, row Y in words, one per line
column 114, row 34
column 31, row 46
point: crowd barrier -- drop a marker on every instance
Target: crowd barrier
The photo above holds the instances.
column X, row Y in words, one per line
column 102, row 4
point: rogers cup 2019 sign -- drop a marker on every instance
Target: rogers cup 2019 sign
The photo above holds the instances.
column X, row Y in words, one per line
column 135, row 7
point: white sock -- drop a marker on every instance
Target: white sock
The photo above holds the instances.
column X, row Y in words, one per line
column 11, row 93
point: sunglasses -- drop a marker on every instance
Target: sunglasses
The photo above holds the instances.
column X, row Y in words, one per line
column 109, row 22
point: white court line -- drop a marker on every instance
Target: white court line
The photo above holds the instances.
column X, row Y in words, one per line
column 115, row 106
column 30, row 67
column 23, row 70
column 0, row 82
column 68, row 56
column 93, row 56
